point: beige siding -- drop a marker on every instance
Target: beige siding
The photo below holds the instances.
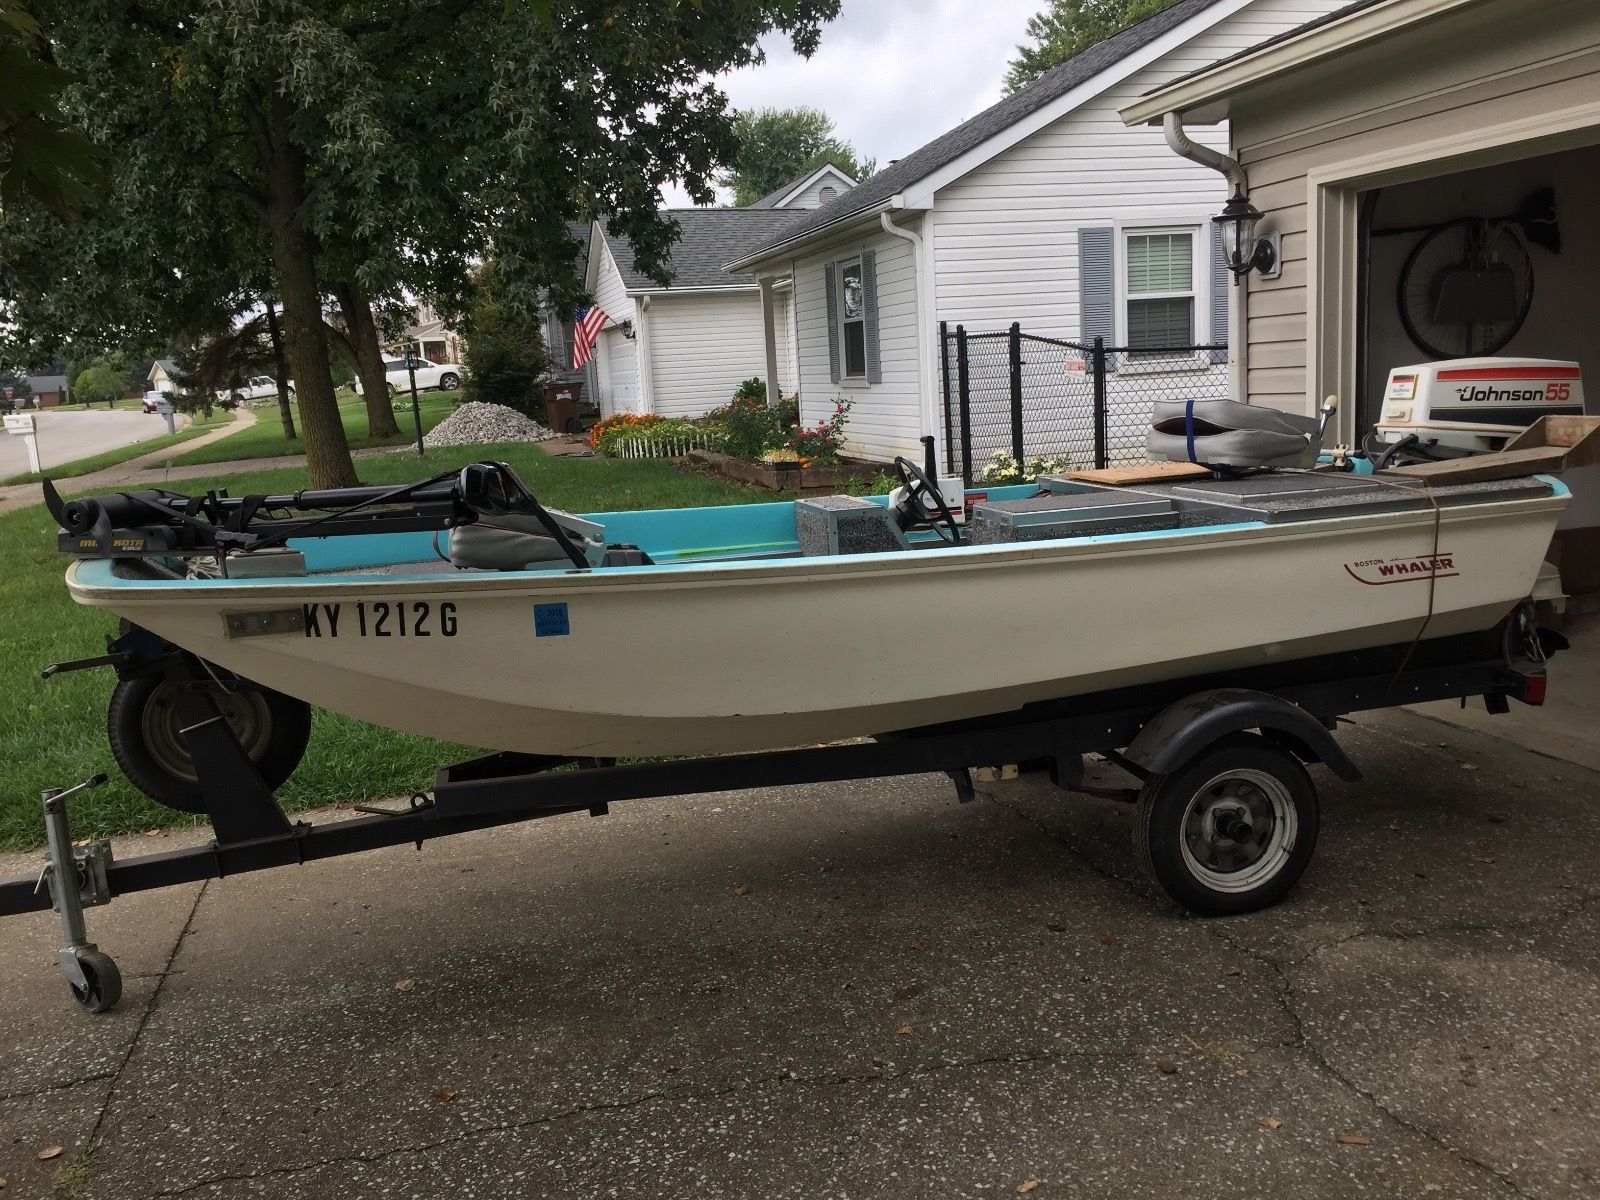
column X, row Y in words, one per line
column 886, row 419
column 1508, row 61
column 701, row 348
column 1007, row 231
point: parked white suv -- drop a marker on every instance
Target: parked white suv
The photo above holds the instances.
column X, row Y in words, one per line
column 444, row 376
column 257, row 387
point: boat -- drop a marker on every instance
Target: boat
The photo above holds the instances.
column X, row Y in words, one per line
column 463, row 609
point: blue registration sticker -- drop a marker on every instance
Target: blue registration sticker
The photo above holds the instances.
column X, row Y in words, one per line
column 550, row 620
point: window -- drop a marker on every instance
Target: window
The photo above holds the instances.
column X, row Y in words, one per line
column 1160, row 291
column 853, row 320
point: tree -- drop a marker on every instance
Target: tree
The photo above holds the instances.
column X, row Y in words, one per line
column 1069, row 27
column 99, row 382
column 389, row 145
column 39, row 156
column 505, row 352
column 777, row 145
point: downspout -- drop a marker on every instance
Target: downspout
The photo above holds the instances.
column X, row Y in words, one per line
column 928, row 370
column 1233, row 170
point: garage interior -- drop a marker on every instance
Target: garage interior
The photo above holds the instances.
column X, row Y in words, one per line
column 1556, row 285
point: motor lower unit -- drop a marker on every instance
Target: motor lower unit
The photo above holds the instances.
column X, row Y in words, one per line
column 1476, row 405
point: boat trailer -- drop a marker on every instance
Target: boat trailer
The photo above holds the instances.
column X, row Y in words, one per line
column 1227, row 816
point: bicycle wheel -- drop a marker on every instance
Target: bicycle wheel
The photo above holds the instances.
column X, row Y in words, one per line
column 1466, row 289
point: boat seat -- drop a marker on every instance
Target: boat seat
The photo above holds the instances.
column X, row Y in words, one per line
column 845, row 525
column 1225, row 433
column 508, row 543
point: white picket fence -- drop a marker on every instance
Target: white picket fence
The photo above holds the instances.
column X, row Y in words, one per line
column 675, row 447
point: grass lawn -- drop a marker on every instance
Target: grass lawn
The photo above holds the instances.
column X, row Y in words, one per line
column 110, row 458
column 52, row 732
column 265, row 438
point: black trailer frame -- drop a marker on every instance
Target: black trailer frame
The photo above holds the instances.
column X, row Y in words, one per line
column 1151, row 730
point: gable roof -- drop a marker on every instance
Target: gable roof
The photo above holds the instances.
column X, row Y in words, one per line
column 166, row 364
column 875, row 192
column 709, row 237
column 799, row 184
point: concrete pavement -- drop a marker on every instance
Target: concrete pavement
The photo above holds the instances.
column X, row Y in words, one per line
column 860, row 990
column 66, row 436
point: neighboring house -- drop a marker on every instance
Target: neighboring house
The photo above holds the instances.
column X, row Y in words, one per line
column 813, row 190
column 557, row 329
column 163, row 376
column 430, row 338
column 682, row 350
column 1360, row 132
column 49, row 390
column 1042, row 210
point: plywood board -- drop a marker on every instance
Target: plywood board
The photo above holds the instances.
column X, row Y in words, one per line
column 1485, row 468
column 1130, row 476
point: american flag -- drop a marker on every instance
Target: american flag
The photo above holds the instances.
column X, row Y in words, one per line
column 584, row 332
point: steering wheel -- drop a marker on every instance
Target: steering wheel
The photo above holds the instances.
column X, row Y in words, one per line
column 919, row 491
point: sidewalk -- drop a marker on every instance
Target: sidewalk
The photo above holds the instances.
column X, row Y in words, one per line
column 859, row 989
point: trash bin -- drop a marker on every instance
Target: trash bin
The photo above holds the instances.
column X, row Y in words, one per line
column 561, row 406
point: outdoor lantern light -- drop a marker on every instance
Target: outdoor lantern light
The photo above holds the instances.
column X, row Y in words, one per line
column 1241, row 248
column 627, row 329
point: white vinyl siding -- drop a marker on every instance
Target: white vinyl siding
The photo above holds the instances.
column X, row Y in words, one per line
column 783, row 327
column 812, row 197
column 702, row 347
column 886, row 419
column 1006, row 248
column 616, row 357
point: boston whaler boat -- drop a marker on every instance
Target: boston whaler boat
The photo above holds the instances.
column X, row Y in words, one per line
column 1203, row 624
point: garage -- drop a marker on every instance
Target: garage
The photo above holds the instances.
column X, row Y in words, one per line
column 1425, row 172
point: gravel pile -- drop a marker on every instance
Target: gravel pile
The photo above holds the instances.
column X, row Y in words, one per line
column 474, row 422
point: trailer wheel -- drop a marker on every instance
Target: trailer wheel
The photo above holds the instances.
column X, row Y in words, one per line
column 1231, row 830
column 273, row 730
column 104, row 982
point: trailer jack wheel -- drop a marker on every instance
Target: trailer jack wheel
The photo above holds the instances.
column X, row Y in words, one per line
column 1231, row 830
column 99, row 984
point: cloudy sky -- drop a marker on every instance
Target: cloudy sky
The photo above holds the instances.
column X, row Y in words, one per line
column 892, row 74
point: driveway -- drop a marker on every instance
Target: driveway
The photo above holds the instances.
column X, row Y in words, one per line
column 69, row 436
column 862, row 990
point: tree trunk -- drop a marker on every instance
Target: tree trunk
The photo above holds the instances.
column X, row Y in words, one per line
column 284, row 408
column 328, row 463
column 363, row 334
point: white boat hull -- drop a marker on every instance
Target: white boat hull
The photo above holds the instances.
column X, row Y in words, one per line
column 731, row 657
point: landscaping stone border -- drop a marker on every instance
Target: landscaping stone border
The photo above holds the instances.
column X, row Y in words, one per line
column 807, row 481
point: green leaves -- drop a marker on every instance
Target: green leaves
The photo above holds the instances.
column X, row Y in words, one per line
column 1067, row 28
column 39, row 156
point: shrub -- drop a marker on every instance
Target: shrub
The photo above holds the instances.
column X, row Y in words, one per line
column 1002, row 468
column 754, row 388
column 821, row 443
column 505, row 355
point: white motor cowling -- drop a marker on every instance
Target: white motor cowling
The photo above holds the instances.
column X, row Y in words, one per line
column 1475, row 405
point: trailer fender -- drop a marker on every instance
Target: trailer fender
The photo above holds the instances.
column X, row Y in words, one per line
column 1182, row 730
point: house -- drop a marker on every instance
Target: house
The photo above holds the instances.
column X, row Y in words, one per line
column 682, row 350
column 50, row 390
column 1395, row 134
column 1356, row 138
column 430, row 337
column 163, row 376
column 1042, row 211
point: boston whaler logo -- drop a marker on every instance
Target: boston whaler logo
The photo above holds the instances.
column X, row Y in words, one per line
column 1416, row 568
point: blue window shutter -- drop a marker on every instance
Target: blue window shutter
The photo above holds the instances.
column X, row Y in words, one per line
column 831, row 275
column 1097, row 287
column 869, row 304
column 1221, row 279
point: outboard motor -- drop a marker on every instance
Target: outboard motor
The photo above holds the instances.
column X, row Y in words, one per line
column 1467, row 406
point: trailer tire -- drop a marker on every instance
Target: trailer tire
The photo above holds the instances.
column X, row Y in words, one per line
column 273, row 730
column 1231, row 830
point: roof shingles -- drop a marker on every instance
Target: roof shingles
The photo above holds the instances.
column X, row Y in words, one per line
column 710, row 237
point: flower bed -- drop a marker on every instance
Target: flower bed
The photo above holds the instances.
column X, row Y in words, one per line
column 814, row 479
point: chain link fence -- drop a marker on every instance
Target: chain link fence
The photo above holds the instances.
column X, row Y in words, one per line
column 1018, row 395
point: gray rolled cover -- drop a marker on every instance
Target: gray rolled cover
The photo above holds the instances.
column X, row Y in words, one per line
column 1228, row 434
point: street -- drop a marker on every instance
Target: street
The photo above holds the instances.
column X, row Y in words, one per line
column 862, row 990
column 68, row 436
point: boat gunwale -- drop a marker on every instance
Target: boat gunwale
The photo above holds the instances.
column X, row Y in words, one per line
column 750, row 572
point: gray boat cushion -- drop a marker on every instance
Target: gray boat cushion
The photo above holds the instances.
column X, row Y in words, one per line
column 506, row 543
column 1226, row 433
